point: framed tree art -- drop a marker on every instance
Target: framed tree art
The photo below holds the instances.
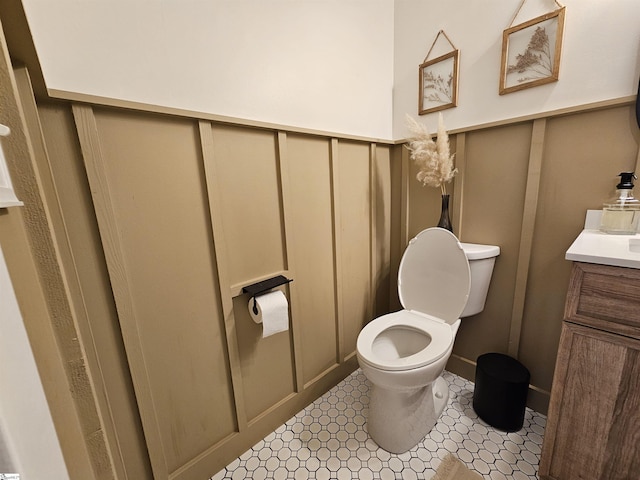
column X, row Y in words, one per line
column 531, row 52
column 438, row 80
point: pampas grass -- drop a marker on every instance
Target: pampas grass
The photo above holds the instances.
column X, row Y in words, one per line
column 434, row 159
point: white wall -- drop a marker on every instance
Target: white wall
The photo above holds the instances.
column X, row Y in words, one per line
column 319, row 64
column 345, row 66
column 600, row 56
column 25, row 419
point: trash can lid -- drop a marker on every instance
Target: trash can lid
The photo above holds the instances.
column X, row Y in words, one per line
column 504, row 367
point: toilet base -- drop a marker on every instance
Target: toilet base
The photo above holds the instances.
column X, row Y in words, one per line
column 400, row 419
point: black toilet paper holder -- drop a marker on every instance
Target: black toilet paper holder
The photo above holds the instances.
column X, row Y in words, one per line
column 256, row 289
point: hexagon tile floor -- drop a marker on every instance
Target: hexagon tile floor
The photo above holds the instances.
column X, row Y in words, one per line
column 329, row 440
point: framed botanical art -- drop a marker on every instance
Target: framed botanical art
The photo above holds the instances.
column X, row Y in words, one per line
column 531, row 52
column 7, row 195
column 438, row 81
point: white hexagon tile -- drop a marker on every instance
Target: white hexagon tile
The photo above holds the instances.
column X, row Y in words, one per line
column 329, row 440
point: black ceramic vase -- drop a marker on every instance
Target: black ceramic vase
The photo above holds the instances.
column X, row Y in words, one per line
column 445, row 220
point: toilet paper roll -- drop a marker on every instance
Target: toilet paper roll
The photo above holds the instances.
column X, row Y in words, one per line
column 273, row 312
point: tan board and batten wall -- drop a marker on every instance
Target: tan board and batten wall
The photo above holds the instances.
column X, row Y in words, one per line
column 190, row 212
column 168, row 215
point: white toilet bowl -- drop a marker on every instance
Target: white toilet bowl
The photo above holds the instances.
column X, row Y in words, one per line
column 403, row 354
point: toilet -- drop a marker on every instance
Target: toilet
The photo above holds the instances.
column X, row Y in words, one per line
column 404, row 353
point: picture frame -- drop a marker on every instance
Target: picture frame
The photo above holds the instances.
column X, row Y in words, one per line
column 7, row 195
column 531, row 52
column 438, row 83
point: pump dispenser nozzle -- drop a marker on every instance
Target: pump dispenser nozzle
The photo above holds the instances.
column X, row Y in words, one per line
column 626, row 180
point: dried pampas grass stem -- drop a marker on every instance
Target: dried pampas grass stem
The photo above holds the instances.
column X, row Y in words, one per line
column 434, row 159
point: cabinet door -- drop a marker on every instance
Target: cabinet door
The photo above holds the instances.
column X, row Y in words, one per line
column 593, row 427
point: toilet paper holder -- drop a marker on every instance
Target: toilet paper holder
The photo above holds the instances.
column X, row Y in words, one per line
column 256, row 289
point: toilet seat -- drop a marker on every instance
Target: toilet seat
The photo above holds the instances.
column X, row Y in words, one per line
column 434, row 276
column 440, row 333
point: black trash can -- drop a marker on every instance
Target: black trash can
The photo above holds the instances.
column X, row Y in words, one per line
column 500, row 394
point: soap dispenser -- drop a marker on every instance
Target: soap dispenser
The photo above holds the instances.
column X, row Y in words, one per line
column 621, row 213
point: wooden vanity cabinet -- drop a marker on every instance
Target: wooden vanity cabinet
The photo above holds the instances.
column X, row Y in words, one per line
column 593, row 424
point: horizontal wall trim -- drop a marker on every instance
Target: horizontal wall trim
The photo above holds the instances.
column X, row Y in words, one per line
column 140, row 106
column 272, row 408
column 583, row 108
column 321, row 375
column 587, row 107
column 179, row 112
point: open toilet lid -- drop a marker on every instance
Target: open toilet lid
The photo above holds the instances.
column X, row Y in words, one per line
column 434, row 275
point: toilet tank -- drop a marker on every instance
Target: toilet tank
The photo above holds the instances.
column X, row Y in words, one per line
column 481, row 260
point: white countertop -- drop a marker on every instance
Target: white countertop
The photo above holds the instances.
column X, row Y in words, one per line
column 593, row 246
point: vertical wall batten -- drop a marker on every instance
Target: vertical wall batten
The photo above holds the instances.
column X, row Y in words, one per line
column 373, row 213
column 526, row 238
column 72, row 279
column 294, row 304
column 458, row 194
column 337, row 248
column 219, row 240
column 105, row 214
column 404, row 200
